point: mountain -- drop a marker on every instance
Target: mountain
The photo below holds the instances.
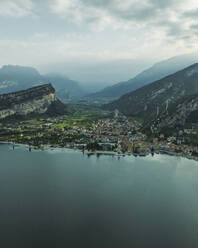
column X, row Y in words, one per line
column 33, row 102
column 157, row 97
column 156, row 72
column 15, row 78
column 66, row 88
column 100, row 73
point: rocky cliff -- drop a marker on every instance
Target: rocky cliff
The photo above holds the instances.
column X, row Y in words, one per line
column 181, row 113
column 36, row 101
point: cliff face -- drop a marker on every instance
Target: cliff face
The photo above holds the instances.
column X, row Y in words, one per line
column 183, row 112
column 37, row 101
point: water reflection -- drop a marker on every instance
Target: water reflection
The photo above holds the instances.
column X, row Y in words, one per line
column 60, row 198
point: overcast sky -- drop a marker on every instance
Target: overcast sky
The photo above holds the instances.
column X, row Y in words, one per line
column 82, row 36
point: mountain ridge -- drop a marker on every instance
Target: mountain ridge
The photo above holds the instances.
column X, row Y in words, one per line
column 147, row 101
column 14, row 78
column 152, row 74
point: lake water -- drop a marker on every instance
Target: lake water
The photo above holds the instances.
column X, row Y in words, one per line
column 65, row 199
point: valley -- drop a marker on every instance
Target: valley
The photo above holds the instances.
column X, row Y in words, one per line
column 160, row 116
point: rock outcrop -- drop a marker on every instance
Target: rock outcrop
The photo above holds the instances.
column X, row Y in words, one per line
column 36, row 101
column 183, row 112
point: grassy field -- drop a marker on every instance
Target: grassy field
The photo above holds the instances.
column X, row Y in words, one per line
column 62, row 125
column 33, row 122
column 80, row 121
column 136, row 119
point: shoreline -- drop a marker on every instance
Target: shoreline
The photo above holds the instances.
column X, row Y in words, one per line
column 98, row 153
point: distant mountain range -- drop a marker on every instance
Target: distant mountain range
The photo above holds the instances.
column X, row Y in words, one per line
column 39, row 101
column 66, row 88
column 161, row 97
column 14, row 78
column 156, row 72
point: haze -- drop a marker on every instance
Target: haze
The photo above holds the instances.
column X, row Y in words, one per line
column 96, row 41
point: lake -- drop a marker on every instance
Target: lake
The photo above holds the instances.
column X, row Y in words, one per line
column 62, row 198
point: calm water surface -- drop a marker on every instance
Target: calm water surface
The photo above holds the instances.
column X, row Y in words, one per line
column 64, row 199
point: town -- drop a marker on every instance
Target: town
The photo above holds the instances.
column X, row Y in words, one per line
column 111, row 135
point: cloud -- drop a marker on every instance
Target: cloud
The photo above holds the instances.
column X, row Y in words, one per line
column 192, row 14
column 131, row 10
column 17, row 9
column 194, row 26
column 97, row 29
column 101, row 14
column 130, row 14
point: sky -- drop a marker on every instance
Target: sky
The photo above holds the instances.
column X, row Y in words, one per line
column 98, row 41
